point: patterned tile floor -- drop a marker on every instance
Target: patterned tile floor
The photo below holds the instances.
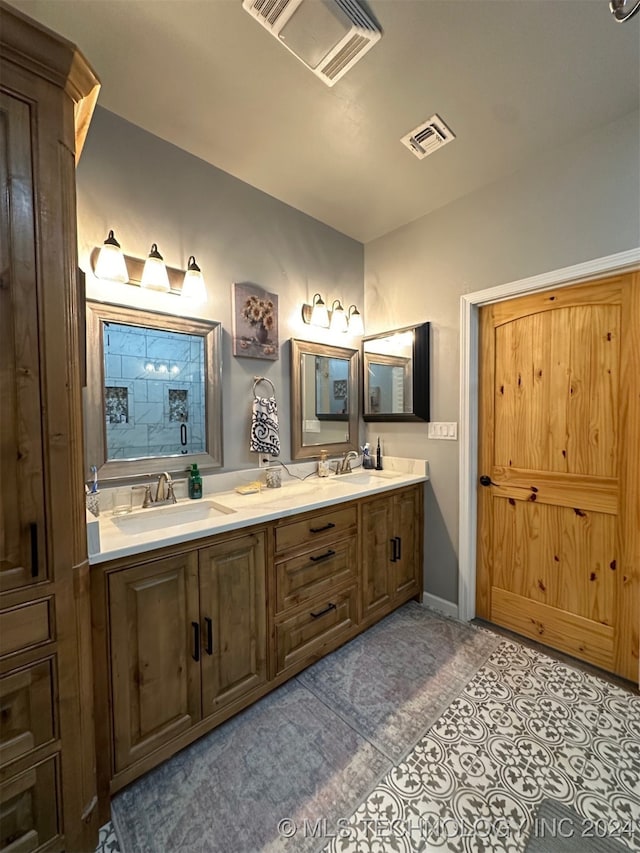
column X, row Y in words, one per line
column 527, row 727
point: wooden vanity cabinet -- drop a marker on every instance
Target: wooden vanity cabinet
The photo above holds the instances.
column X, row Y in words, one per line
column 391, row 537
column 47, row 754
column 186, row 638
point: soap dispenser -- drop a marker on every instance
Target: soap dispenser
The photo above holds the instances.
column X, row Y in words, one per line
column 195, row 482
column 323, row 465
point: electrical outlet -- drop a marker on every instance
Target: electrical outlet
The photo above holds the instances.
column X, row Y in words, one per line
column 263, row 460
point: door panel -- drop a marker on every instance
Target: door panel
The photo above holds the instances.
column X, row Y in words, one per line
column 233, row 620
column 155, row 677
column 559, row 523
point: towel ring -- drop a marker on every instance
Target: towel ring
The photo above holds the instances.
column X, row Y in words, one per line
column 263, row 379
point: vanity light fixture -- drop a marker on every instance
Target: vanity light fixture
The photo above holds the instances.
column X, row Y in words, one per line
column 111, row 265
column 193, row 286
column 316, row 314
column 154, row 275
column 338, row 317
column 354, row 320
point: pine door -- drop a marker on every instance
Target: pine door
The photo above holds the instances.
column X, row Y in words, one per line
column 559, row 466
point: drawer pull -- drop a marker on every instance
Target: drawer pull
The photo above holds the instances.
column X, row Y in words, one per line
column 394, row 549
column 33, row 532
column 209, row 624
column 320, row 529
column 196, row 641
column 321, row 557
column 327, row 609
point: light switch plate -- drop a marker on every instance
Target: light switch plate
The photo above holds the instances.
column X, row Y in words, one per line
column 446, row 431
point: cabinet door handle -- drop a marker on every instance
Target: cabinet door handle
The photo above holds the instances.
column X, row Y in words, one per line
column 320, row 529
column 394, row 548
column 33, row 533
column 326, row 556
column 399, row 551
column 327, row 609
column 196, row 641
column 209, row 624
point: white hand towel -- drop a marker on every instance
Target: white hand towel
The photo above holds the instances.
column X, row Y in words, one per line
column 265, row 437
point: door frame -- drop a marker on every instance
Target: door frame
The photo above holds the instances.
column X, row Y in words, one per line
column 470, row 303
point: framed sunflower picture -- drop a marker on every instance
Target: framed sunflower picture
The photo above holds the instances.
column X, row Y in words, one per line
column 255, row 322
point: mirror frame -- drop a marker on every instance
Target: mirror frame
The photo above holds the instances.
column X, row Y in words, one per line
column 298, row 349
column 94, row 410
column 420, row 374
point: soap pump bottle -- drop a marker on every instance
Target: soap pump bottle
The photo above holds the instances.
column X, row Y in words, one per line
column 195, row 482
column 323, row 465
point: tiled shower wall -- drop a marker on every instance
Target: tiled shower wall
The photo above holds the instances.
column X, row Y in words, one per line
column 154, row 392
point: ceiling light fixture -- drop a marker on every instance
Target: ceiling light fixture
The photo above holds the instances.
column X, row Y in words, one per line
column 622, row 10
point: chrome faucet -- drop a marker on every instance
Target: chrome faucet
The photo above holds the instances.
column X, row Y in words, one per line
column 167, row 497
column 344, row 466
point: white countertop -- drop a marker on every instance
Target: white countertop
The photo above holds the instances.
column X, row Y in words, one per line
column 221, row 511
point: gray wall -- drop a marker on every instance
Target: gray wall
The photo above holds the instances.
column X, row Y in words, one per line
column 571, row 205
column 150, row 191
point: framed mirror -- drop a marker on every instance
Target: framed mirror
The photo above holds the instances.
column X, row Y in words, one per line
column 153, row 399
column 396, row 375
column 324, row 399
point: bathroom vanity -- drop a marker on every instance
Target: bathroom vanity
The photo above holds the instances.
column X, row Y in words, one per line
column 195, row 620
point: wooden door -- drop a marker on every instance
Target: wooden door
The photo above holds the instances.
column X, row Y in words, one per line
column 407, row 557
column 233, row 619
column 154, row 654
column 22, row 543
column 378, row 548
column 559, row 516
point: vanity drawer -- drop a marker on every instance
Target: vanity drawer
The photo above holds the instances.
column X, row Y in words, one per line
column 314, row 632
column 315, row 572
column 25, row 626
column 333, row 523
column 26, row 710
column 29, row 809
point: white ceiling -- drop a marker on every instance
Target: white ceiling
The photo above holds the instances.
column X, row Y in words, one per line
column 511, row 78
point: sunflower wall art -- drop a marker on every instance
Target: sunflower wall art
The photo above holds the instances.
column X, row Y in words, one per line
column 255, row 322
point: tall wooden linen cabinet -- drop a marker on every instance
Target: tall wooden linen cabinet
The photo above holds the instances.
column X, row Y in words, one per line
column 47, row 752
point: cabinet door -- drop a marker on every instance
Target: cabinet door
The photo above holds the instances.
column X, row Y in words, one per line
column 155, row 672
column 407, row 563
column 22, row 544
column 377, row 551
column 233, row 619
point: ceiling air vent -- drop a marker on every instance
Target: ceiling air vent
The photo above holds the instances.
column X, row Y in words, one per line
column 329, row 36
column 428, row 137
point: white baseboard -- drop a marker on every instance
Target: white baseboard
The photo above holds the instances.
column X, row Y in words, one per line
column 439, row 604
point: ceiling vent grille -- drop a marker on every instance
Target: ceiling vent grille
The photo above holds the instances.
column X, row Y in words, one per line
column 328, row 36
column 428, row 137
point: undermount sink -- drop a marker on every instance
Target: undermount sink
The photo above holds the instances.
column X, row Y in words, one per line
column 156, row 518
column 367, row 478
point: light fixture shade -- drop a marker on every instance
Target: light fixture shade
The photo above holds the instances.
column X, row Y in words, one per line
column 338, row 317
column 193, row 286
column 356, row 326
column 319, row 314
column 154, row 275
column 111, row 265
